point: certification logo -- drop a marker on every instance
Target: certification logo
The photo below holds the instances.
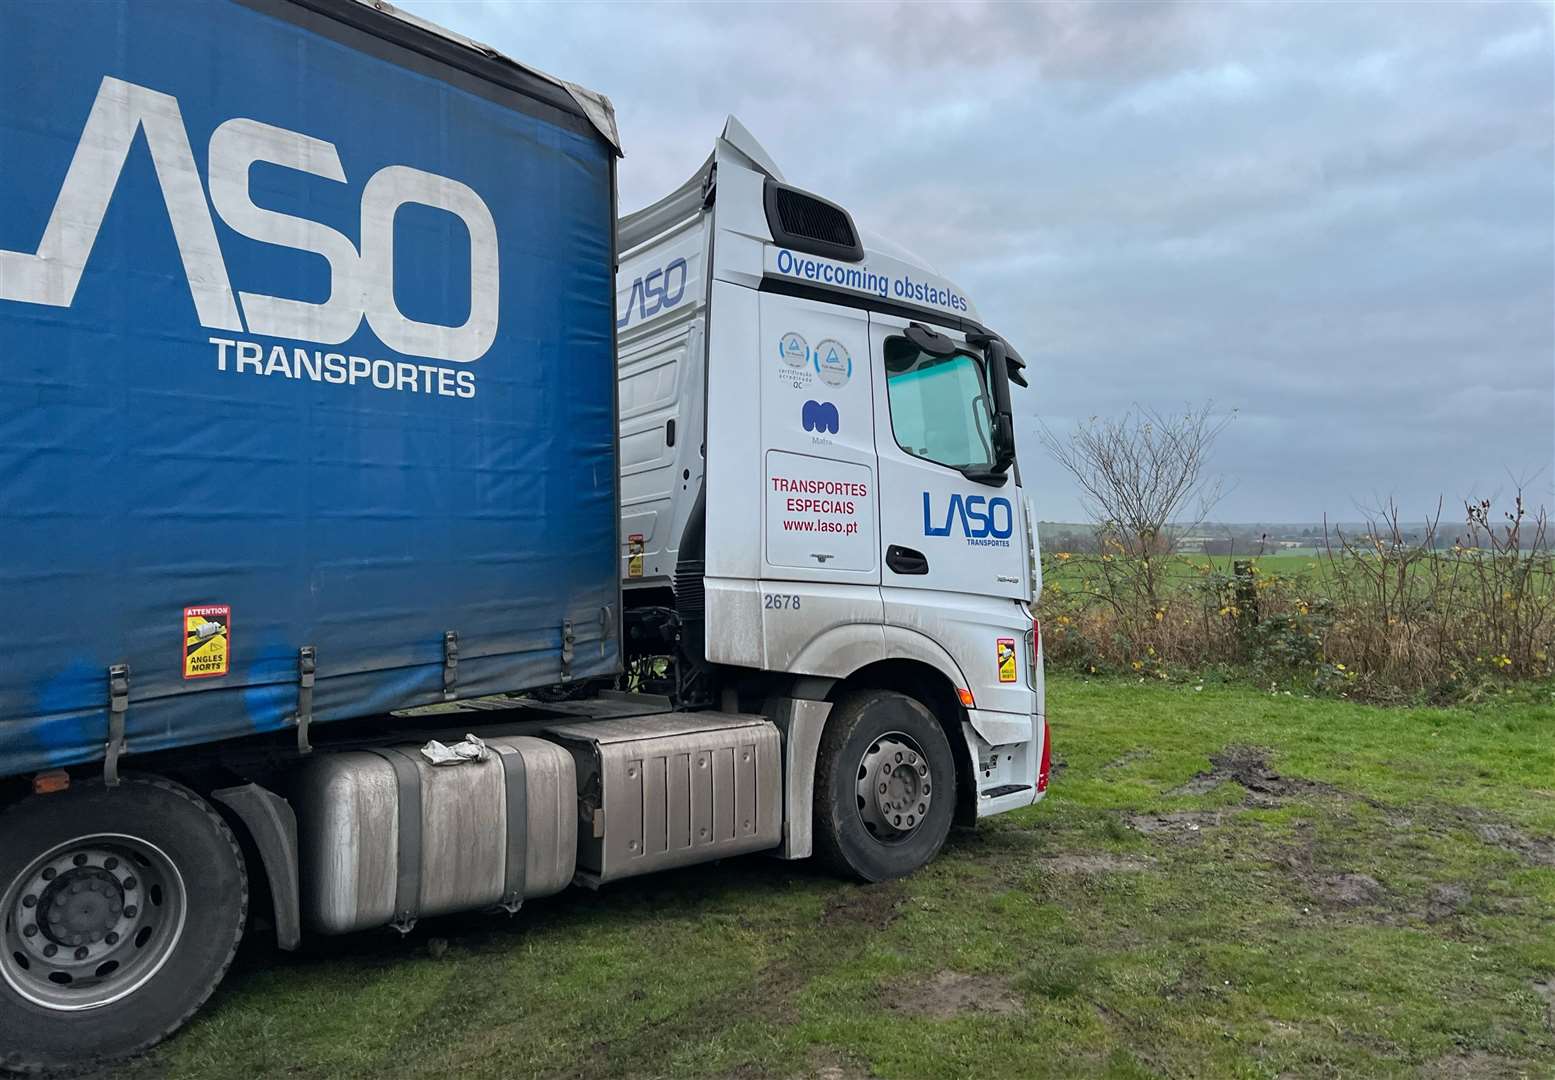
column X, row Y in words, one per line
column 794, row 350
column 833, row 363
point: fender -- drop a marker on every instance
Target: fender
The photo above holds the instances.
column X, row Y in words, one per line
column 272, row 825
column 837, row 651
column 904, row 643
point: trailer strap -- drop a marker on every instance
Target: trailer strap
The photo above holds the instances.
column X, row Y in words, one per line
column 118, row 705
column 306, row 666
column 450, row 664
column 516, row 779
column 407, row 888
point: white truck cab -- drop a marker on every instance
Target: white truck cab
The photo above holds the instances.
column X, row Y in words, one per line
column 819, row 495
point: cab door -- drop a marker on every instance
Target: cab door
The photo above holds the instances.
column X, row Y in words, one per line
column 939, row 529
column 820, row 552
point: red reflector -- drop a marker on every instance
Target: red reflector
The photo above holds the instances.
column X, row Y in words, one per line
column 966, row 698
column 47, row 783
column 1047, row 759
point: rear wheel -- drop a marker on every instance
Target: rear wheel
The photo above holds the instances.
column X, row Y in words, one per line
column 120, row 910
column 885, row 786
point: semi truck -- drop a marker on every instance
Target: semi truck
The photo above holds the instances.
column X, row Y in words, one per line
column 387, row 530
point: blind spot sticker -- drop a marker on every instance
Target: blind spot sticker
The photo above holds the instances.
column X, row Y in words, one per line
column 206, row 640
column 1006, row 659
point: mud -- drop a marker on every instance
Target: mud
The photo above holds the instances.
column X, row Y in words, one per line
column 1545, row 988
column 948, row 994
column 1445, row 901
column 1538, row 850
column 1179, row 824
column 1475, row 1065
column 866, row 906
column 829, row 1065
column 1247, row 766
column 1347, row 890
column 1100, row 863
column 1125, row 760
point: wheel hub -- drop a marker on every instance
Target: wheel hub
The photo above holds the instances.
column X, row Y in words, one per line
column 81, row 907
column 90, row 921
column 895, row 789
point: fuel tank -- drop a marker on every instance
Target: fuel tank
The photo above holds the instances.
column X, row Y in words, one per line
column 386, row 837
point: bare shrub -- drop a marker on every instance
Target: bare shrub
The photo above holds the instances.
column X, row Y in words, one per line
column 1383, row 612
column 1143, row 479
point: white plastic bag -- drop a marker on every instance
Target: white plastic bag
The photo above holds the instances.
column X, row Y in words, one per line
column 471, row 749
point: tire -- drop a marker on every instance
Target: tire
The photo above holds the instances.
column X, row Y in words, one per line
column 145, row 877
column 883, row 756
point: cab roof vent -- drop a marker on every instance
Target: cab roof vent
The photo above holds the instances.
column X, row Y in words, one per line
column 811, row 224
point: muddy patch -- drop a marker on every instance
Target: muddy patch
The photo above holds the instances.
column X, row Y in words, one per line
column 1545, row 988
column 1445, row 901
column 1540, row 851
column 1180, row 824
column 948, row 994
column 870, row 906
column 828, row 1065
column 1101, row 863
column 1348, row 890
column 1474, row 1065
column 1247, row 766
column 1125, row 760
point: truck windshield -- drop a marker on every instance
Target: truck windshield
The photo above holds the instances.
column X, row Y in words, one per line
column 939, row 406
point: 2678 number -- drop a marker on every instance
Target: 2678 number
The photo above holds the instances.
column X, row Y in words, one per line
column 780, row 601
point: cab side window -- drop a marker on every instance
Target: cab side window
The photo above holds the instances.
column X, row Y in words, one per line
column 939, row 406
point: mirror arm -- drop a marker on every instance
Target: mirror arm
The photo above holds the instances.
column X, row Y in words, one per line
column 994, row 477
column 930, row 341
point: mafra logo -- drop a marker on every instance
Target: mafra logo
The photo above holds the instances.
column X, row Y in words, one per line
column 820, row 417
column 983, row 521
column 361, row 281
column 656, row 287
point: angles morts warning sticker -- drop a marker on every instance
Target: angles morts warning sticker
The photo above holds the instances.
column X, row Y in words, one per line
column 206, row 640
column 1006, row 659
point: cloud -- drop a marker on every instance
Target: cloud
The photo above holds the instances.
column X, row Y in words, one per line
column 1337, row 219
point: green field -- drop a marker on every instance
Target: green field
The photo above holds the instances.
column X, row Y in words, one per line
column 1222, row 883
column 1073, row 568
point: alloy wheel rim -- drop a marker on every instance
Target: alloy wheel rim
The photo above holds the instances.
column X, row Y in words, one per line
column 894, row 788
column 90, row 921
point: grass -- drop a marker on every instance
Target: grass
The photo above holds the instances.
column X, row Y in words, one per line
column 1347, row 891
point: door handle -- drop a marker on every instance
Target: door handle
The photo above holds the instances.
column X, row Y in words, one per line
column 905, row 560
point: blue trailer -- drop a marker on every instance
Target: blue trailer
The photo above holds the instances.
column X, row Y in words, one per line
column 307, row 347
column 307, row 414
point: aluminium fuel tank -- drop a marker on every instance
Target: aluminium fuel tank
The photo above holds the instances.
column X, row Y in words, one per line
column 386, row 837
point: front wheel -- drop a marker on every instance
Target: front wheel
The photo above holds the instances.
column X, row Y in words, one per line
column 120, row 910
column 885, row 786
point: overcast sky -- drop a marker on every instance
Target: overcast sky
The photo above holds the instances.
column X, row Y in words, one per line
column 1338, row 220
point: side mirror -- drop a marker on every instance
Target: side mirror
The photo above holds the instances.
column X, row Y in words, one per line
column 1003, row 411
